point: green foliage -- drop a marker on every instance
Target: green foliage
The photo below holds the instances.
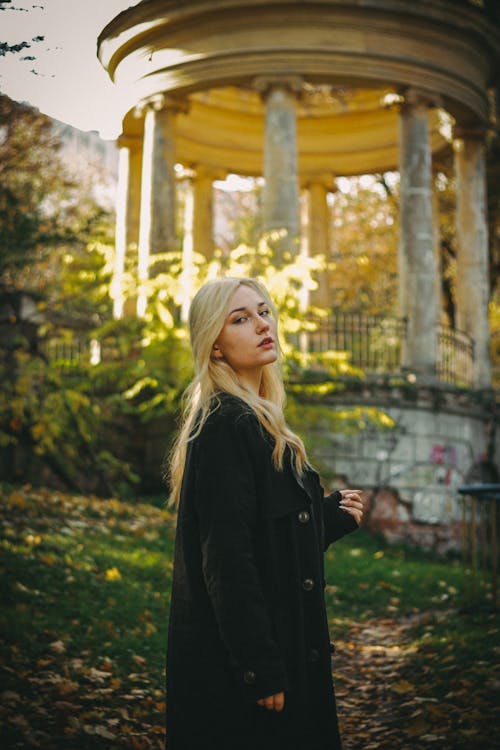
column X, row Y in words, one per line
column 82, row 417
column 56, row 420
column 41, row 206
column 363, row 269
column 80, row 410
column 83, row 420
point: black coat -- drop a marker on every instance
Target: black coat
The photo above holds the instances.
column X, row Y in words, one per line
column 247, row 616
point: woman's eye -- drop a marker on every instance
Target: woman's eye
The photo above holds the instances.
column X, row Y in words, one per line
column 240, row 320
column 265, row 312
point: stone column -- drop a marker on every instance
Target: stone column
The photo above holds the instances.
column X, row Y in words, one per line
column 436, row 231
column 472, row 250
column 318, row 233
column 134, row 192
column 116, row 288
column 127, row 219
column 157, row 214
column 417, row 263
column 186, row 279
column 203, row 211
column 281, row 192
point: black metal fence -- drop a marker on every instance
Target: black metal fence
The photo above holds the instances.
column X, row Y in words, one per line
column 373, row 344
column 74, row 350
column 455, row 356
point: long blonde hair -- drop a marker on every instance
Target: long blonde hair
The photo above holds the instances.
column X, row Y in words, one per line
column 207, row 316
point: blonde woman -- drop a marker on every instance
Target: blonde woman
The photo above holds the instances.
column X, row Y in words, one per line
column 249, row 657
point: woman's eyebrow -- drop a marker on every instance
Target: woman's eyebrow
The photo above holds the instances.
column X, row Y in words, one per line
column 245, row 309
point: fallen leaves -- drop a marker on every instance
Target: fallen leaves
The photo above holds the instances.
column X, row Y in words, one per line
column 86, row 625
column 389, row 689
column 78, row 666
column 402, row 687
column 57, row 647
column 113, row 574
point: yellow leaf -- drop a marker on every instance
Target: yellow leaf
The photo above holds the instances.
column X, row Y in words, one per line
column 37, row 431
column 48, row 559
column 35, row 540
column 113, row 574
column 64, row 687
column 149, row 629
column 17, row 500
column 58, row 647
column 402, row 687
column 104, row 732
column 417, row 727
column 107, row 664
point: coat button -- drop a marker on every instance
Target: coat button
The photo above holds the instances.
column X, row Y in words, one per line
column 308, row 584
column 304, row 516
column 249, row 677
column 313, row 654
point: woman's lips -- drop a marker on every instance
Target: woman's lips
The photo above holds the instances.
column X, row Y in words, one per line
column 267, row 342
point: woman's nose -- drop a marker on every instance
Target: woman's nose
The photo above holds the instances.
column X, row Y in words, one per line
column 262, row 324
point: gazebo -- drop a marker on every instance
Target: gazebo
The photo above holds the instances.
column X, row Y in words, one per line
column 301, row 92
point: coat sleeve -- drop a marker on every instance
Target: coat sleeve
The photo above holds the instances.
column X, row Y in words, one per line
column 226, row 499
column 337, row 522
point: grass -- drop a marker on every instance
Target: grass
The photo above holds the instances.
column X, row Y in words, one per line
column 367, row 578
column 84, row 617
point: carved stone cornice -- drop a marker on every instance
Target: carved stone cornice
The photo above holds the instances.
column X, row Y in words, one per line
column 158, row 102
column 325, row 179
column 413, row 97
column 266, row 84
column 125, row 140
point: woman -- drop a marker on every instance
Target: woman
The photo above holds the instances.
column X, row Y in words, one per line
column 248, row 661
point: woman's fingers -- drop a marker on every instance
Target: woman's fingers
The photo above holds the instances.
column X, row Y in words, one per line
column 273, row 702
column 279, row 701
column 269, row 702
column 352, row 503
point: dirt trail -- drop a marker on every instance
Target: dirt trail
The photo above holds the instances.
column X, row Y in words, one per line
column 385, row 698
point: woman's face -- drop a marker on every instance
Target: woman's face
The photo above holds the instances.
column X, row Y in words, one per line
column 247, row 341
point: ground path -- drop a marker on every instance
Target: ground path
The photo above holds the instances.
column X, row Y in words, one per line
column 385, row 687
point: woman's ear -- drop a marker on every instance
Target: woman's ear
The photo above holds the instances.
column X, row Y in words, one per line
column 216, row 352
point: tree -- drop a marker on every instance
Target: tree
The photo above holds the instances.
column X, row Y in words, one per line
column 17, row 47
column 41, row 207
column 364, row 231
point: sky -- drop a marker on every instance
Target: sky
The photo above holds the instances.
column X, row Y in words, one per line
column 69, row 82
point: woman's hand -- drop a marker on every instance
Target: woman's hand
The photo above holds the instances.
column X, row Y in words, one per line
column 352, row 503
column 273, row 702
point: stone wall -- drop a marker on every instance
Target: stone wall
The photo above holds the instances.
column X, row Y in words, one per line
column 442, row 438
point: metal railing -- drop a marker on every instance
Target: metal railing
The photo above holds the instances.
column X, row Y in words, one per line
column 74, row 350
column 480, row 519
column 373, row 343
column 454, row 356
